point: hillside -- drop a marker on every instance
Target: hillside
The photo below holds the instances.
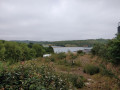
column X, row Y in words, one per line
column 71, row 43
column 44, row 73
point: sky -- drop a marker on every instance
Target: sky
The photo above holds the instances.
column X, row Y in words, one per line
column 55, row 20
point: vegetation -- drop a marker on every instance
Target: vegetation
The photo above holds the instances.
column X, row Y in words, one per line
column 110, row 51
column 105, row 72
column 33, row 75
column 62, row 71
column 77, row 81
column 32, row 78
column 71, row 43
column 14, row 52
column 91, row 69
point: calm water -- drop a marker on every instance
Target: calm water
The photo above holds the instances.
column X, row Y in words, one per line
column 71, row 49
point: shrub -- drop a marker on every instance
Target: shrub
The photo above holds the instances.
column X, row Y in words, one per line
column 114, row 50
column 110, row 51
column 1, row 66
column 91, row 69
column 104, row 71
column 52, row 59
column 61, row 56
column 63, row 62
column 49, row 49
column 73, row 56
column 80, row 52
column 78, row 63
column 100, row 50
column 32, row 78
column 77, row 81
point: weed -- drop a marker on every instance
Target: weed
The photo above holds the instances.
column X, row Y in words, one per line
column 61, row 55
column 105, row 72
column 77, row 81
column 91, row 69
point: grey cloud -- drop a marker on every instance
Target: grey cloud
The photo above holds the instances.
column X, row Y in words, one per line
column 58, row 19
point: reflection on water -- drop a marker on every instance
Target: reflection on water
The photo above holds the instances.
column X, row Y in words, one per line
column 71, row 49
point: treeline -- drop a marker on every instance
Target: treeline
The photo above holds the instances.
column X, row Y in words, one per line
column 14, row 51
column 110, row 51
column 79, row 43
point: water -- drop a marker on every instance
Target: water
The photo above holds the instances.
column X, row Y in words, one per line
column 71, row 49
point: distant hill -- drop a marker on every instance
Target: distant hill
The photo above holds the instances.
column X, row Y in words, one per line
column 68, row 43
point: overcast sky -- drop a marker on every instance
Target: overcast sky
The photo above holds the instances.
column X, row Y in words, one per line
column 52, row 20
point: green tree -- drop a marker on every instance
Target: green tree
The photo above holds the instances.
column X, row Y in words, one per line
column 39, row 50
column 114, row 50
column 32, row 53
column 25, row 52
column 2, row 51
column 49, row 49
column 13, row 51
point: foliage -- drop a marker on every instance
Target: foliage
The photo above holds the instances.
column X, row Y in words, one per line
column 77, row 81
column 80, row 43
column 52, row 59
column 61, row 55
column 114, row 50
column 91, row 69
column 73, row 56
column 39, row 50
column 49, row 50
column 2, row 51
column 80, row 52
column 104, row 71
column 109, row 51
column 14, row 52
column 32, row 78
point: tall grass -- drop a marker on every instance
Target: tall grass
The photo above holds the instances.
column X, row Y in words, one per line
column 91, row 69
column 77, row 81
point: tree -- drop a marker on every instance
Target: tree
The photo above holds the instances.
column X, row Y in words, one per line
column 39, row 50
column 49, row 49
column 114, row 50
column 2, row 51
column 13, row 51
column 25, row 52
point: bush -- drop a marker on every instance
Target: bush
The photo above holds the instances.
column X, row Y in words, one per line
column 32, row 78
column 110, row 51
column 1, row 66
column 100, row 50
column 61, row 56
column 91, row 69
column 77, row 81
column 14, row 52
column 78, row 63
column 80, row 52
column 63, row 62
column 73, row 56
column 114, row 50
column 52, row 59
column 104, row 71
column 49, row 50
